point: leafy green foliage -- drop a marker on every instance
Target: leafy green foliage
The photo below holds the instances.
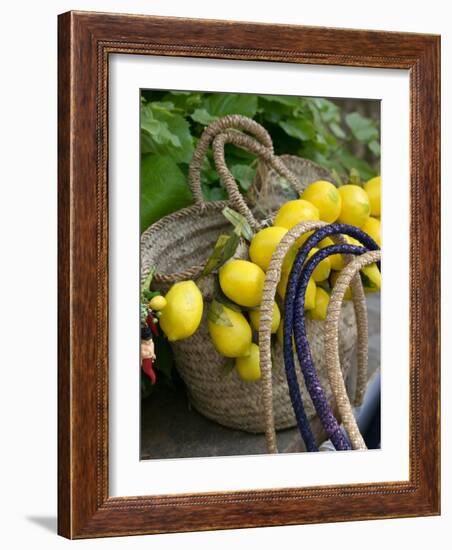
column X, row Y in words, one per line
column 224, row 249
column 163, row 188
column 165, row 132
column 241, row 227
column 314, row 128
column 217, row 314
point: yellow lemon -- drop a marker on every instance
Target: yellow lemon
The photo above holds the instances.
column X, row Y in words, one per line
column 301, row 240
column 293, row 212
column 242, row 282
column 355, row 205
column 310, row 296
column 233, row 338
column 248, row 368
column 276, row 318
column 336, row 260
column 373, row 228
column 289, row 259
column 263, row 245
column 353, row 241
column 157, row 303
column 183, row 312
column 373, row 190
column 322, row 299
column 322, row 271
column 333, row 278
column 371, row 278
column 325, row 196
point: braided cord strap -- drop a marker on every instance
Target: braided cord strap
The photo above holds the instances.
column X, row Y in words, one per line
column 332, row 344
column 289, row 308
column 272, row 278
column 313, row 385
column 251, row 145
column 222, row 131
column 336, row 232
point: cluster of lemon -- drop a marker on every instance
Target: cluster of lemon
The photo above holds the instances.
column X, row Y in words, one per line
column 242, row 281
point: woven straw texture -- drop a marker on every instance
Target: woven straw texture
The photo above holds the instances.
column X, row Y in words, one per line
column 218, row 393
column 332, row 334
column 179, row 245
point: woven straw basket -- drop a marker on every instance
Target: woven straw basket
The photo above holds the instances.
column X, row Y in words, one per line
column 179, row 245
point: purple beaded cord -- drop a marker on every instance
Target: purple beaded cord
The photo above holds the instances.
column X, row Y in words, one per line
column 319, row 400
column 310, row 375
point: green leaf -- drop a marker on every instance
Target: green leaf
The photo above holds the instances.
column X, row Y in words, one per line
column 355, row 177
column 244, row 174
column 218, row 105
column 298, row 128
column 215, row 258
column 374, row 146
column 329, row 111
column 349, row 161
column 149, row 294
column 241, row 226
column 165, row 132
column 286, row 100
column 221, row 298
column 337, row 130
column 325, row 285
column 184, row 101
column 148, row 280
column 230, row 247
column 202, row 116
column 218, row 315
column 364, row 129
column 228, row 367
column 367, row 282
column 163, row 188
column 225, row 248
column 336, row 177
column 214, row 193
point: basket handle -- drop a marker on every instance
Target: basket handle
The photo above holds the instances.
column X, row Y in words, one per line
column 331, row 344
column 272, row 278
column 220, row 133
column 239, row 122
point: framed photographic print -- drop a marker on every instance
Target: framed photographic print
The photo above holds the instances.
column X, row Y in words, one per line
column 248, row 275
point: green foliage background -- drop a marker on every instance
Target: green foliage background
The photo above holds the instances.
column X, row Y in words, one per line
column 313, row 128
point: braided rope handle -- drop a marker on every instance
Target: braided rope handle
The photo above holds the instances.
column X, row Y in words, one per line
column 218, row 134
column 294, row 322
column 222, row 131
column 239, row 122
column 332, row 344
column 272, row 278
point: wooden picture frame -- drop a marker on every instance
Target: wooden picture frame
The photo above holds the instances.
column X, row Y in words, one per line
column 85, row 42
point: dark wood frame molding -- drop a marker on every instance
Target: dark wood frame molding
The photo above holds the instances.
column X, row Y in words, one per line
column 85, row 42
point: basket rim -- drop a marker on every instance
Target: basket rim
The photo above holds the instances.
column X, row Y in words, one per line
column 187, row 210
column 192, row 272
